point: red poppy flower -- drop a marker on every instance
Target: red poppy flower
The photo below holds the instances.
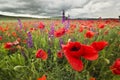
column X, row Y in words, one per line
column 101, row 26
column 1, row 28
column 18, row 39
column 0, row 38
column 41, row 54
column 89, row 34
column 42, row 78
column 32, row 29
column 14, row 34
column 73, row 26
column 99, row 45
column 92, row 78
column 41, row 25
column 59, row 32
column 115, row 68
column 60, row 54
column 74, row 51
column 81, row 29
column 8, row 45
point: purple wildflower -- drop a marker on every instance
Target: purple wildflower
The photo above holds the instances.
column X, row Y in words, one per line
column 49, row 51
column 29, row 40
column 67, row 24
column 52, row 29
column 61, row 42
column 20, row 23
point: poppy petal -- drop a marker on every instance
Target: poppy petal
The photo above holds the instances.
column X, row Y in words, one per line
column 99, row 45
column 89, row 53
column 76, row 63
column 115, row 68
column 45, row 56
column 42, row 78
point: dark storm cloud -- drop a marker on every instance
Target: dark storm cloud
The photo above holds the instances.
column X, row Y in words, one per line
column 76, row 8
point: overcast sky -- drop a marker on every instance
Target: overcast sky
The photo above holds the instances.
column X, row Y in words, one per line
column 48, row 8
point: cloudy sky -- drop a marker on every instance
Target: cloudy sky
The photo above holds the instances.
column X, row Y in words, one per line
column 50, row 8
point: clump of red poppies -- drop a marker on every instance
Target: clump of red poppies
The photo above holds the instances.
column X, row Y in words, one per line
column 73, row 51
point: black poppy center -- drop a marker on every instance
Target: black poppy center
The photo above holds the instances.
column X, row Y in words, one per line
column 75, row 48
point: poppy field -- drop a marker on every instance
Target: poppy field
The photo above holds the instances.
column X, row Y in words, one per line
column 60, row 50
